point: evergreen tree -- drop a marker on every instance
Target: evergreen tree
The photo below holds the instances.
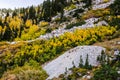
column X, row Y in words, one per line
column 87, row 65
column 103, row 58
column 81, row 62
column 14, row 14
column 7, row 15
column 1, row 24
column 106, row 72
column 46, row 10
column 86, row 62
column 51, row 8
column 115, row 10
column 73, row 64
column 115, row 7
column 32, row 13
column 88, row 3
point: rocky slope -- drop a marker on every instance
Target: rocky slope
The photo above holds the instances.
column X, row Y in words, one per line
column 65, row 61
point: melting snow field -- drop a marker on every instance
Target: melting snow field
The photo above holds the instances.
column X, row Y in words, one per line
column 58, row 66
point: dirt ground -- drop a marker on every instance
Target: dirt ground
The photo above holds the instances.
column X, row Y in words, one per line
column 110, row 45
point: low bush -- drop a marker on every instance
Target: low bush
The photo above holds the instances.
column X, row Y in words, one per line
column 30, row 71
column 75, row 24
column 116, row 35
column 105, row 1
column 106, row 72
column 96, row 13
column 71, row 7
column 43, row 24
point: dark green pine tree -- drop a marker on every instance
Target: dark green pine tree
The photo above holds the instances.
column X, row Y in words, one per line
column 115, row 8
column 14, row 14
column 73, row 64
column 7, row 14
column 86, row 62
column 88, row 3
column 32, row 13
column 1, row 24
column 87, row 65
column 103, row 58
column 81, row 62
column 46, row 10
column 51, row 8
column 106, row 72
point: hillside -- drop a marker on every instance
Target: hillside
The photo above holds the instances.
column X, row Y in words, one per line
column 61, row 40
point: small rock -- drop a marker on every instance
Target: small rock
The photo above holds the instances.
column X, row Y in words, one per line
column 116, row 52
column 118, row 42
column 118, row 72
column 88, row 77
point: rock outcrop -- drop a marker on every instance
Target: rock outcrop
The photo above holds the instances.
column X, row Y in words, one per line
column 65, row 61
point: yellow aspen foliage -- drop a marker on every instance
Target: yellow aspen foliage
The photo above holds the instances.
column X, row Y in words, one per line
column 0, row 30
column 106, row 11
column 118, row 16
column 36, row 49
column 33, row 29
column 72, row 6
column 105, row 1
column 15, row 23
column 32, row 32
column 59, row 43
column 9, row 19
column 28, row 23
column 4, row 29
column 25, row 37
column 43, row 24
column 86, row 34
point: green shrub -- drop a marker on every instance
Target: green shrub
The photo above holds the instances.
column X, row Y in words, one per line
column 72, row 6
column 43, row 24
column 30, row 71
column 82, row 71
column 106, row 72
column 115, row 22
column 77, row 73
column 105, row 1
column 116, row 35
column 75, row 24
column 96, row 13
